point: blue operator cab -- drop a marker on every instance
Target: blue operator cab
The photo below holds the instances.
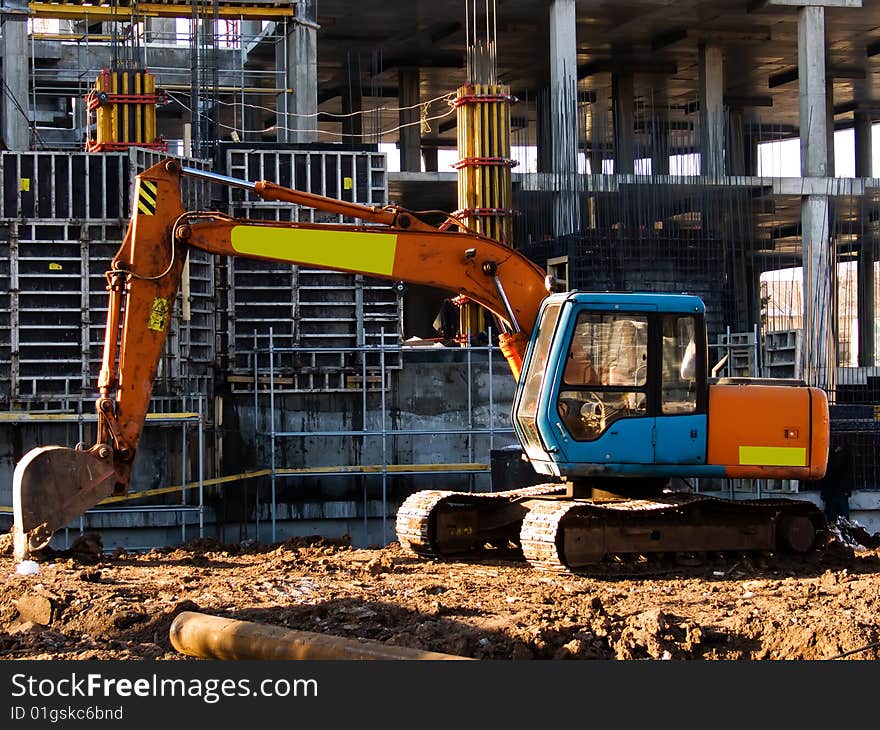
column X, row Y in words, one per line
column 614, row 385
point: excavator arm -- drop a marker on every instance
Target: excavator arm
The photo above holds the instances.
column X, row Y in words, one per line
column 53, row 485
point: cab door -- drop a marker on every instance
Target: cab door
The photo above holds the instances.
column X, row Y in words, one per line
column 602, row 408
column 681, row 435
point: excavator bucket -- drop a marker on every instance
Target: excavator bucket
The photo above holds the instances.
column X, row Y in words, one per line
column 52, row 486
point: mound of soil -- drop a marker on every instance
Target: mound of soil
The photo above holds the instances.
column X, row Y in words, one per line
column 85, row 604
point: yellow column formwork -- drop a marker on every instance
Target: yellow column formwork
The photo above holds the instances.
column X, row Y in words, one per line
column 485, row 188
column 124, row 103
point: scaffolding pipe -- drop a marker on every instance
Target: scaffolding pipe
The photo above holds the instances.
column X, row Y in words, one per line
column 213, row 637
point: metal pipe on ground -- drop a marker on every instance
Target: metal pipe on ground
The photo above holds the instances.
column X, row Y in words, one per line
column 213, row 637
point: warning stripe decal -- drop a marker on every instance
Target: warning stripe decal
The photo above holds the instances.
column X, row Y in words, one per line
column 147, row 197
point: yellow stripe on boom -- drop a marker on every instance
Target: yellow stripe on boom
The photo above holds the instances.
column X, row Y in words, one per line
column 773, row 455
column 370, row 253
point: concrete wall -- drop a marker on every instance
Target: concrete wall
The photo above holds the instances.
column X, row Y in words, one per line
column 435, row 391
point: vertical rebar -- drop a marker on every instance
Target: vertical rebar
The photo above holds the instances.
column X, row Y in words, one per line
column 384, row 439
column 183, row 457
column 201, row 429
column 272, row 415
column 491, row 394
column 364, row 480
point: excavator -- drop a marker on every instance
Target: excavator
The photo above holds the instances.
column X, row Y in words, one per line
column 615, row 402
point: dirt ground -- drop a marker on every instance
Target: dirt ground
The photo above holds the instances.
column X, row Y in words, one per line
column 86, row 605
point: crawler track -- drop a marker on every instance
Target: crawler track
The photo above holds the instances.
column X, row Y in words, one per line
column 625, row 537
column 439, row 522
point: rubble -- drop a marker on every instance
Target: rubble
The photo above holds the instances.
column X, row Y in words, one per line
column 121, row 605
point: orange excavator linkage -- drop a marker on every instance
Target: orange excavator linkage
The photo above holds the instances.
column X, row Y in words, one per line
column 53, row 485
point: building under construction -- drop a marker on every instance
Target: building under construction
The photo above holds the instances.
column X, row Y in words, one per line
column 719, row 149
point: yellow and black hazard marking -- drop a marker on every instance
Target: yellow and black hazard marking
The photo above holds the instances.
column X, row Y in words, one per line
column 147, row 198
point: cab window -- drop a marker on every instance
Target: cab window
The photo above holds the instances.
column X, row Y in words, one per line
column 605, row 374
column 678, row 392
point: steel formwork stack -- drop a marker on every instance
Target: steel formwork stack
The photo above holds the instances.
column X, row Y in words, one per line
column 62, row 218
column 307, row 308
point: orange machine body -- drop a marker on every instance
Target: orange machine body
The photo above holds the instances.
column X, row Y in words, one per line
column 768, row 432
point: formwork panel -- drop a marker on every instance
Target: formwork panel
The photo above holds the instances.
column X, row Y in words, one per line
column 64, row 186
column 307, row 308
column 62, row 220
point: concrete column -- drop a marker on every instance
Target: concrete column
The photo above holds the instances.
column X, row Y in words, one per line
column 598, row 132
column 563, row 123
column 867, row 250
column 430, row 159
column 817, row 253
column 866, row 304
column 741, row 145
column 623, row 101
column 253, row 119
column 353, row 102
column 829, row 124
column 660, row 147
column 864, row 144
column 409, row 95
column 16, row 102
column 298, row 55
column 711, row 62
column 543, row 134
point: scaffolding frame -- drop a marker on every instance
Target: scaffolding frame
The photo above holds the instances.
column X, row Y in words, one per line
column 383, row 432
column 184, row 419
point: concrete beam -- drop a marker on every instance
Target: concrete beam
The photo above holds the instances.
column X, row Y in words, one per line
column 814, row 3
column 632, row 66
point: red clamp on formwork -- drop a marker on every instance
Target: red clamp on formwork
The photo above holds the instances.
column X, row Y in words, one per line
column 484, row 162
column 159, row 146
column 484, row 98
column 483, row 212
column 94, row 99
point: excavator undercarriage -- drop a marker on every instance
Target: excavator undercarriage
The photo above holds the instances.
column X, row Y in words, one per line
column 554, row 531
